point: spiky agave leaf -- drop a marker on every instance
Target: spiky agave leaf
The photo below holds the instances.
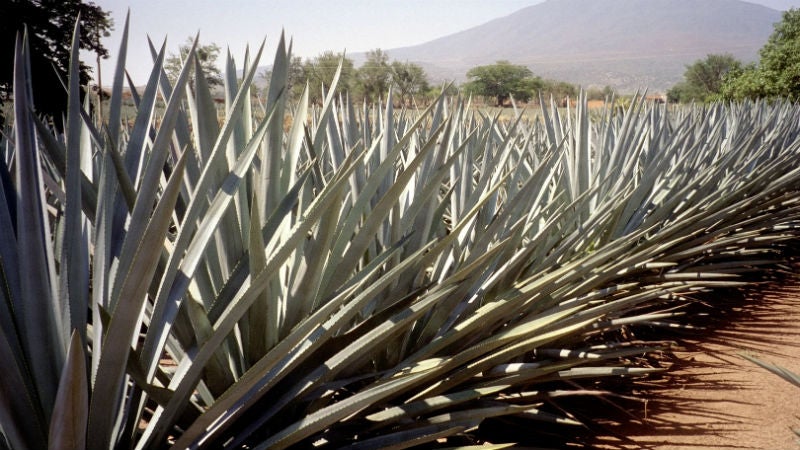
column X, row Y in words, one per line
column 395, row 273
column 33, row 304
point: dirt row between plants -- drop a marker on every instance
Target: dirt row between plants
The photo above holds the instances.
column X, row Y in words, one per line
column 712, row 398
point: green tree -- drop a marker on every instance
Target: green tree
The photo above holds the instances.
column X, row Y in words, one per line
column 503, row 80
column 374, row 75
column 780, row 57
column 744, row 83
column 319, row 73
column 683, row 92
column 410, row 80
column 703, row 79
column 778, row 71
column 206, row 54
column 49, row 24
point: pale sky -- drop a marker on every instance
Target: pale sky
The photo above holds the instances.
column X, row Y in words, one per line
column 314, row 25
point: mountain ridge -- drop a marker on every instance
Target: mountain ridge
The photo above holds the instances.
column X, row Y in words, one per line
column 626, row 44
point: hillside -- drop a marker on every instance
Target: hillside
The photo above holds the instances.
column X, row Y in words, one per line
column 622, row 43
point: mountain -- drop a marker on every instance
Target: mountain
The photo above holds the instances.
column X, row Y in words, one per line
column 626, row 44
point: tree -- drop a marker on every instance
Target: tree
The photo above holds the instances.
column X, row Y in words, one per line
column 780, row 57
column 296, row 80
column 682, row 92
column 374, row 75
column 703, row 79
column 449, row 89
column 410, row 80
column 559, row 90
column 503, row 80
column 320, row 71
column 50, row 24
column 778, row 70
column 601, row 94
column 744, row 83
column 206, row 54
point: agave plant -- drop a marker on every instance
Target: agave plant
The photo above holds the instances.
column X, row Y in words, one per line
column 364, row 277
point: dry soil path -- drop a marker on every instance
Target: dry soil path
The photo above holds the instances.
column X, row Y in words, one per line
column 714, row 398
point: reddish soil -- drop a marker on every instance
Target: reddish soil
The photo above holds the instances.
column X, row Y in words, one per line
column 712, row 398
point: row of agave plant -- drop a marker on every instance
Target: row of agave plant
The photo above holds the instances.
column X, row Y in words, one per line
column 363, row 276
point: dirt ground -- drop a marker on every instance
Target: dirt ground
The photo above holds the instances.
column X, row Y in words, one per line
column 715, row 399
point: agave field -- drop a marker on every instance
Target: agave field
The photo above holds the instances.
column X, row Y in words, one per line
column 362, row 276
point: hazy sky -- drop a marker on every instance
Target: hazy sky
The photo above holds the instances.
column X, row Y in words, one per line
column 314, row 25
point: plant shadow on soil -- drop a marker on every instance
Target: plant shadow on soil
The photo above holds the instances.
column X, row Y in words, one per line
column 709, row 395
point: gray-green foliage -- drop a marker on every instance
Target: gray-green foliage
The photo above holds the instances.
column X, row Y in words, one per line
column 320, row 72
column 409, row 79
column 777, row 74
column 369, row 82
column 374, row 75
column 207, row 55
column 360, row 276
column 503, row 80
column 703, row 79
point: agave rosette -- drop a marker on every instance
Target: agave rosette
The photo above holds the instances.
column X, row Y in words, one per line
column 362, row 276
